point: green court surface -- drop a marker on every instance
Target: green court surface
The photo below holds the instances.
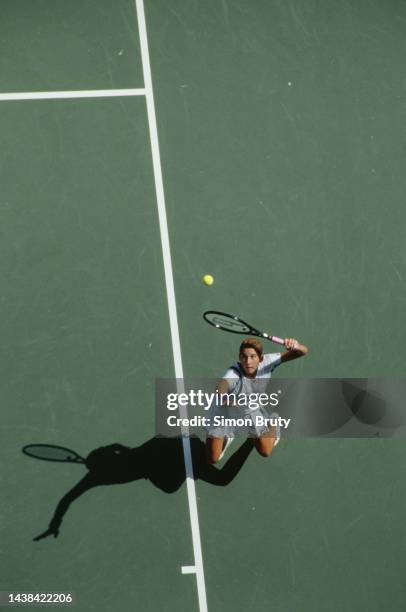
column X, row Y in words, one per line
column 280, row 130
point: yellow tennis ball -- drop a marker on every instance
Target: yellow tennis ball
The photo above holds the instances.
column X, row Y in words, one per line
column 208, row 279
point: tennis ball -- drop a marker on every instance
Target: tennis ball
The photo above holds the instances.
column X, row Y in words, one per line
column 208, row 279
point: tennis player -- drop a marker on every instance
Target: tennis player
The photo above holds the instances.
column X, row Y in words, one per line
column 249, row 376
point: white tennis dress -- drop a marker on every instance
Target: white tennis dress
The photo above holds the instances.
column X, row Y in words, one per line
column 241, row 385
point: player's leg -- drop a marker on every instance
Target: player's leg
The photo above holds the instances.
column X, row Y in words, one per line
column 269, row 439
column 266, row 443
column 214, row 448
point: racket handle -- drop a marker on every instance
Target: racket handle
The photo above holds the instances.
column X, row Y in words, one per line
column 275, row 339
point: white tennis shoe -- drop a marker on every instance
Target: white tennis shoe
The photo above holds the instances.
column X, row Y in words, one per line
column 230, row 440
column 275, row 415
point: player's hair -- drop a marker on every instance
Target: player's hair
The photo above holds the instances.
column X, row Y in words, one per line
column 252, row 343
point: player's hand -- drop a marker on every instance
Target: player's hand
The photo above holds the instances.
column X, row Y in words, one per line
column 47, row 533
column 227, row 402
column 291, row 344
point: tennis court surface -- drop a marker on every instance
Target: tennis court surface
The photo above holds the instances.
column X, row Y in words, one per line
column 145, row 144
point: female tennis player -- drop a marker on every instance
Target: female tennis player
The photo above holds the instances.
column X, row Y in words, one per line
column 249, row 376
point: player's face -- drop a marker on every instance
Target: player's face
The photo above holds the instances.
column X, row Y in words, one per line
column 249, row 361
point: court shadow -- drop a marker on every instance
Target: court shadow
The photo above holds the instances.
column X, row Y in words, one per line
column 159, row 460
column 339, row 408
column 372, row 408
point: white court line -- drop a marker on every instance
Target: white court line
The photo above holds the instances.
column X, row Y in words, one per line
column 188, row 569
column 170, row 290
column 63, row 95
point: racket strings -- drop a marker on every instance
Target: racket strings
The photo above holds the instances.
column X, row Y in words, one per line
column 227, row 322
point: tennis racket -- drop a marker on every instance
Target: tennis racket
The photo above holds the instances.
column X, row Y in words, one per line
column 235, row 325
column 48, row 452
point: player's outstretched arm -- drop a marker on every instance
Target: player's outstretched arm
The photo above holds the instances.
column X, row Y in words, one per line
column 223, row 387
column 294, row 350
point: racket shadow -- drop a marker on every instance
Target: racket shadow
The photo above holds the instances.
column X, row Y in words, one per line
column 159, row 460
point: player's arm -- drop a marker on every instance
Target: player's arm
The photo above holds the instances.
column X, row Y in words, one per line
column 223, row 386
column 294, row 350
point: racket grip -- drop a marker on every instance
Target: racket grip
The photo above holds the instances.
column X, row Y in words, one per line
column 276, row 340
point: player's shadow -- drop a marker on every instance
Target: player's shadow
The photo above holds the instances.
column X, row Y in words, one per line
column 159, row 460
